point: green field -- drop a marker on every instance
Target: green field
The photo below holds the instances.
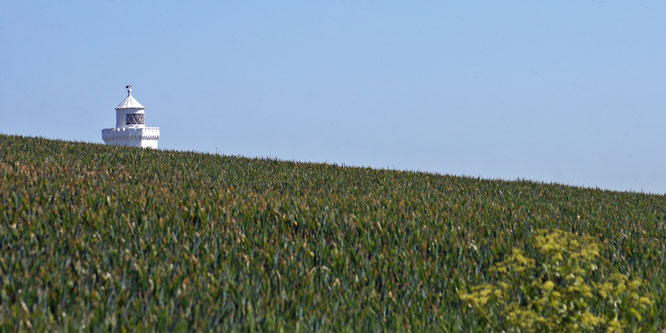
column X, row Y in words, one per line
column 100, row 237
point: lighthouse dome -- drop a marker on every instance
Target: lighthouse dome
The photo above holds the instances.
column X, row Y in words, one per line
column 130, row 102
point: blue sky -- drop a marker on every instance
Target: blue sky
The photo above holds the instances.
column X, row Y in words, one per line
column 569, row 91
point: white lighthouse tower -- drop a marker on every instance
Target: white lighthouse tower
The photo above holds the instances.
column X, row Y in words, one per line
column 130, row 127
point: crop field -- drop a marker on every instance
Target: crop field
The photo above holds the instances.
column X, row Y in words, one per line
column 98, row 237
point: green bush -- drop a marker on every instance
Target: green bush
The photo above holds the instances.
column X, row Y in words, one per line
column 567, row 286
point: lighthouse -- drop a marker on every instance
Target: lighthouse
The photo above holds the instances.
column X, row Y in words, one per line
column 130, row 127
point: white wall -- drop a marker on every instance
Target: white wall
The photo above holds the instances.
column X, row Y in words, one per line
column 145, row 137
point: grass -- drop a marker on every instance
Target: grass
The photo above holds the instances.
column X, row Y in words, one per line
column 99, row 237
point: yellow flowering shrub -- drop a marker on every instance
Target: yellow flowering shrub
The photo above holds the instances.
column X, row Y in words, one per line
column 565, row 285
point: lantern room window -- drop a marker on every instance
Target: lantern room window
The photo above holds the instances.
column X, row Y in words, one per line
column 134, row 119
